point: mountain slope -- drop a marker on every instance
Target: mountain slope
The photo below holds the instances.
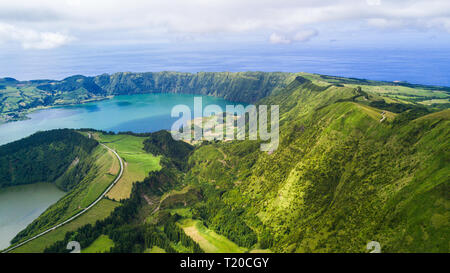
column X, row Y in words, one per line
column 339, row 179
column 17, row 98
column 345, row 173
column 54, row 156
column 85, row 170
column 240, row 86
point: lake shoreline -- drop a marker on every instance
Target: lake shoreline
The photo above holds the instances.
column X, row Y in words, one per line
column 136, row 112
column 24, row 114
column 38, row 108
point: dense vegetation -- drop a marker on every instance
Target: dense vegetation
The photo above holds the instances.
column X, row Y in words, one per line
column 351, row 168
column 340, row 178
column 162, row 143
column 240, row 86
column 45, row 157
column 96, row 173
column 17, row 98
column 126, row 229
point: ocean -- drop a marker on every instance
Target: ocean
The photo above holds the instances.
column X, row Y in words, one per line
column 421, row 66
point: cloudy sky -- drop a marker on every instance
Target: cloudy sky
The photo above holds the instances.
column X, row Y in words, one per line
column 49, row 24
column 373, row 39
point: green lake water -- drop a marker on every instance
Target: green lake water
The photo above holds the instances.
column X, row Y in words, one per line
column 20, row 205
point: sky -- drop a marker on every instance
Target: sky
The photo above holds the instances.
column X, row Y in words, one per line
column 48, row 24
column 34, row 26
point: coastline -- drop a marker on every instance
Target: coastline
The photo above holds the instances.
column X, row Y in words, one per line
column 24, row 114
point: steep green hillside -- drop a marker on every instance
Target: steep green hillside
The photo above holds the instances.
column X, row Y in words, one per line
column 349, row 169
column 339, row 179
column 99, row 212
column 128, row 227
column 162, row 143
column 240, row 86
column 18, row 98
column 54, row 156
column 98, row 172
column 432, row 96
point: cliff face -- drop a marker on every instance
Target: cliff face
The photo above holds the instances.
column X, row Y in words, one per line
column 242, row 86
column 17, row 98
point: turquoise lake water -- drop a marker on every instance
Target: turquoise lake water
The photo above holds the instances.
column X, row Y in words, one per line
column 137, row 113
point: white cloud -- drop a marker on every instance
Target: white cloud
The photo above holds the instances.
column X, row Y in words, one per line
column 32, row 39
column 47, row 40
column 278, row 39
column 282, row 21
column 373, row 2
column 300, row 36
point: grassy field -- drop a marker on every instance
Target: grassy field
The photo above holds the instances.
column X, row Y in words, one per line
column 399, row 92
column 137, row 162
column 376, row 113
column 261, row 251
column 108, row 168
column 92, row 186
column 100, row 245
column 435, row 101
column 100, row 211
column 208, row 240
column 155, row 249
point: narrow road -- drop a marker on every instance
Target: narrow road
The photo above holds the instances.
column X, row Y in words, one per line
column 383, row 115
column 81, row 212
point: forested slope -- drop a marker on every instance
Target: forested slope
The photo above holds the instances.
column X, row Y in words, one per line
column 339, row 179
column 45, row 157
column 139, row 225
column 17, row 98
column 240, row 86
column 345, row 173
column 92, row 169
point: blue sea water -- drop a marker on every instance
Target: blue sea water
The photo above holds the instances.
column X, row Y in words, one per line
column 420, row 65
